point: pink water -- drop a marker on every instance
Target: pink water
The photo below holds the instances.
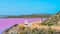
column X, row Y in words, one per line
column 5, row 23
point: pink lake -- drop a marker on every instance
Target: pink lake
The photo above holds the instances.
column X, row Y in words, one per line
column 5, row 23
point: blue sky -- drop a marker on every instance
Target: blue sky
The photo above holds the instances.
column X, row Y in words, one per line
column 24, row 7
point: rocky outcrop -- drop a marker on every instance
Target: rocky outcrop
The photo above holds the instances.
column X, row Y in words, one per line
column 53, row 20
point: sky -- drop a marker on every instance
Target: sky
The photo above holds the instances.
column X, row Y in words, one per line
column 26, row 7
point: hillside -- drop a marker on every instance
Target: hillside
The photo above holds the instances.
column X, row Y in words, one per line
column 53, row 20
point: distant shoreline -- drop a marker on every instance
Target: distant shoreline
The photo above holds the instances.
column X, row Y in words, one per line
column 31, row 16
